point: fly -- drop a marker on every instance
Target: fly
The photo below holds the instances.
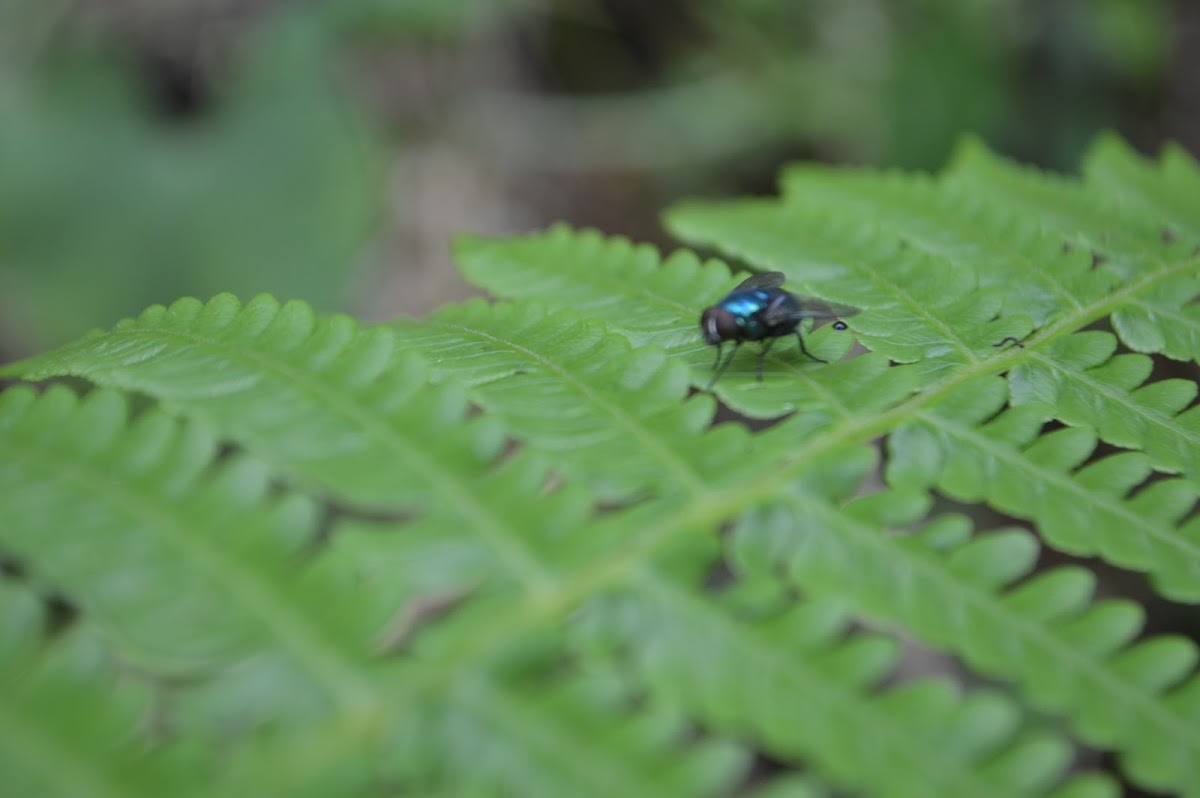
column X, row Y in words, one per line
column 759, row 310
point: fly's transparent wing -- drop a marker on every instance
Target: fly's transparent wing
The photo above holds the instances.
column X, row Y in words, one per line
column 764, row 280
column 812, row 308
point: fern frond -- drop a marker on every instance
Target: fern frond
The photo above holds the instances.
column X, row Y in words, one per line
column 214, row 558
column 1061, row 206
column 502, row 550
column 1095, row 293
column 1006, row 462
column 951, row 745
column 610, row 414
column 609, row 279
column 612, row 282
column 917, row 307
column 964, row 594
column 1158, row 316
column 1079, row 381
column 1031, row 269
column 1166, row 194
column 745, row 230
column 66, row 714
column 230, row 591
column 1041, row 277
column 572, row 734
column 258, row 373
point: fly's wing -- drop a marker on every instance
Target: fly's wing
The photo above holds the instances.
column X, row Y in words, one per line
column 807, row 308
column 764, row 280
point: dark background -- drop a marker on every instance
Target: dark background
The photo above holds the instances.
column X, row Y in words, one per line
column 328, row 151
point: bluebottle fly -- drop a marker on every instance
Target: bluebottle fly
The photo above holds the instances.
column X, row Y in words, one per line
column 759, row 310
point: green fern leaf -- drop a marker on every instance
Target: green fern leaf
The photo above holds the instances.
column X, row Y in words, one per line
column 1164, row 194
column 1078, row 380
column 209, row 591
column 612, row 282
column 66, row 715
column 258, row 373
column 1008, row 464
column 919, row 308
column 962, row 593
column 1153, row 314
column 765, row 689
column 211, row 557
column 557, row 737
column 1030, row 268
column 607, row 412
column 504, row 550
column 1060, row 206
column 848, row 664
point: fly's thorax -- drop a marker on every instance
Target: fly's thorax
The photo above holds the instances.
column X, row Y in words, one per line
column 746, row 307
column 744, row 304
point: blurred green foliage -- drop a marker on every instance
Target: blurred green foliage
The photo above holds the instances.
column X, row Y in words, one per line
column 110, row 199
column 407, row 18
column 126, row 181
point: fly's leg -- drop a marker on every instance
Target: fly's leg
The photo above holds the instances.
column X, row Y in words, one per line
column 804, row 349
column 717, row 362
column 762, row 356
column 721, row 370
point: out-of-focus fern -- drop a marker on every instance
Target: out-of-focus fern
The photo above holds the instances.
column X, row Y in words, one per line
column 503, row 550
column 66, row 718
